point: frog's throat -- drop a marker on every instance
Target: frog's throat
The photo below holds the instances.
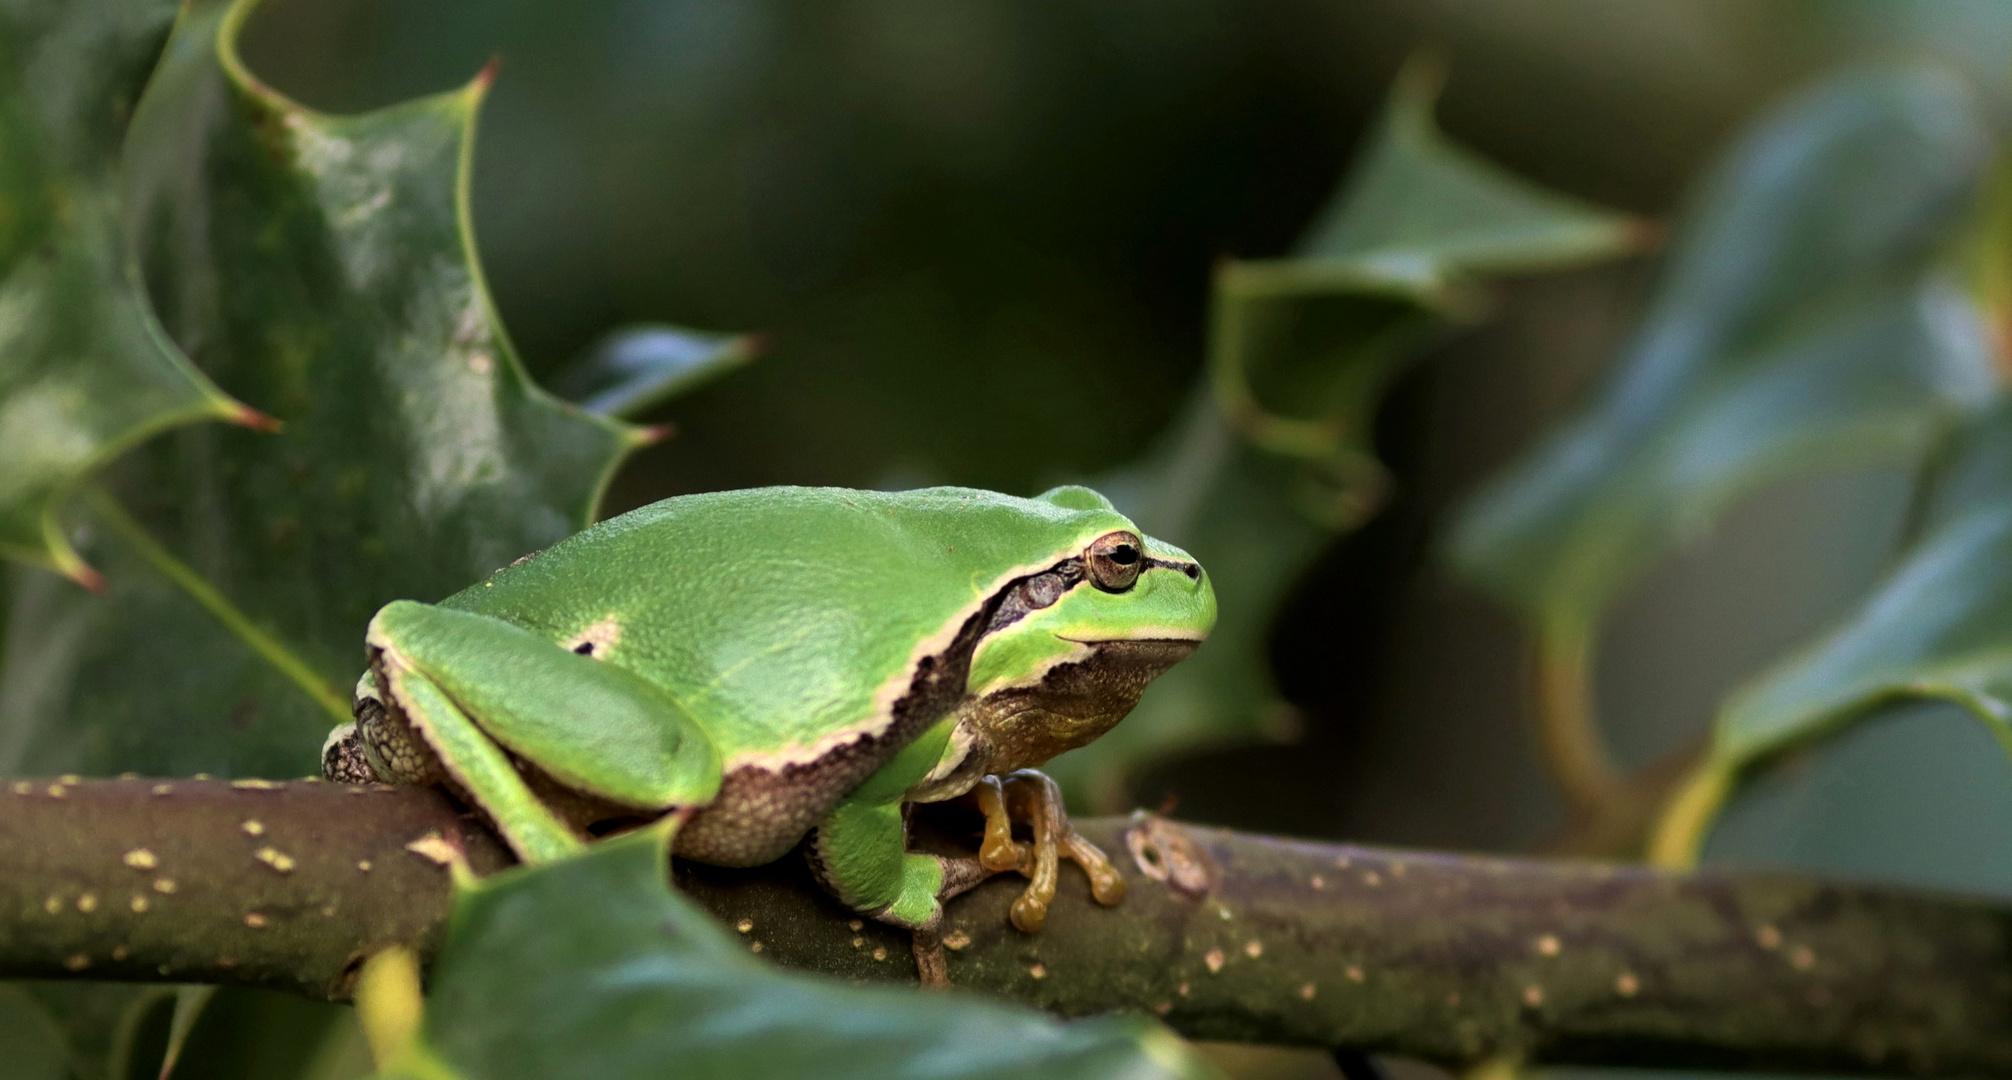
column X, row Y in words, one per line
column 1073, row 703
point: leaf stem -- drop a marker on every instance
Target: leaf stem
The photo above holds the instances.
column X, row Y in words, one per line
column 1562, row 694
column 202, row 592
column 1680, row 834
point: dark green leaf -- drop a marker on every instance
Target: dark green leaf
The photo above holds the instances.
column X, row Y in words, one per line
column 1914, row 793
column 322, row 267
column 1258, row 480
column 1939, row 626
column 638, row 368
column 29, row 1040
column 592, row 968
column 96, row 1026
column 1302, row 348
column 248, row 1034
column 1421, row 209
column 85, row 371
column 1805, row 321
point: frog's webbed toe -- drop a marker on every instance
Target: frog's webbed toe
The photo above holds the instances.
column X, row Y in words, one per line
column 1032, row 797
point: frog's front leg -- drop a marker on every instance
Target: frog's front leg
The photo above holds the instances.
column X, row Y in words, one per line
column 860, row 854
column 1032, row 796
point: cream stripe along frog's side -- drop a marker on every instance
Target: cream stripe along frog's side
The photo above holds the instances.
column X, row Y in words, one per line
column 770, row 662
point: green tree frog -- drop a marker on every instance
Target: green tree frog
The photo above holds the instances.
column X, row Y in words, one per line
column 757, row 667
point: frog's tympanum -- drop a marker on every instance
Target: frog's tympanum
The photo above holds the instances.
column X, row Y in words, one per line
column 761, row 666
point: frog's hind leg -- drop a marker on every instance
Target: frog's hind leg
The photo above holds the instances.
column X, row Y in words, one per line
column 484, row 694
column 1031, row 796
column 484, row 772
column 344, row 759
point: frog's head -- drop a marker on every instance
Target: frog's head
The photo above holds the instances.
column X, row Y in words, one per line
column 1109, row 582
column 1068, row 650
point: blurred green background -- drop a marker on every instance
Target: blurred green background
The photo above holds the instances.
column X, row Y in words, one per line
column 977, row 235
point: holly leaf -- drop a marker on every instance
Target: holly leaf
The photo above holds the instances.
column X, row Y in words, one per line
column 635, row 369
column 1276, row 461
column 244, row 1034
column 91, row 1028
column 30, row 1039
column 85, row 371
column 1806, row 320
column 322, row 267
column 1420, row 209
column 1302, row 348
column 592, row 967
column 1937, row 627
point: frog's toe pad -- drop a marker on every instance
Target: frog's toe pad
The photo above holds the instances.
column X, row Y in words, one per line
column 1107, row 886
column 1029, row 913
column 1032, row 797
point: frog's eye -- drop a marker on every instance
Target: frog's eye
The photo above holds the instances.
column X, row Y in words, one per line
column 1115, row 560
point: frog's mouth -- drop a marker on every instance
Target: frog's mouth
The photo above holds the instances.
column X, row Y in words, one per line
column 1120, row 666
column 1162, row 637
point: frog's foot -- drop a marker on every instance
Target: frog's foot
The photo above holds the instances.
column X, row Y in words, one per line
column 1031, row 797
column 343, row 759
column 932, row 964
column 960, row 875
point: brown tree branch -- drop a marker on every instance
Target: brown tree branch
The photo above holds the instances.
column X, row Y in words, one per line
column 1227, row 936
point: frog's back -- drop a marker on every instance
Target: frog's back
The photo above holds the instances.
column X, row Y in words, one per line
column 782, row 618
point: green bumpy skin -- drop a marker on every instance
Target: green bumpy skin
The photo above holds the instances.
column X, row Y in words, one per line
column 770, row 661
